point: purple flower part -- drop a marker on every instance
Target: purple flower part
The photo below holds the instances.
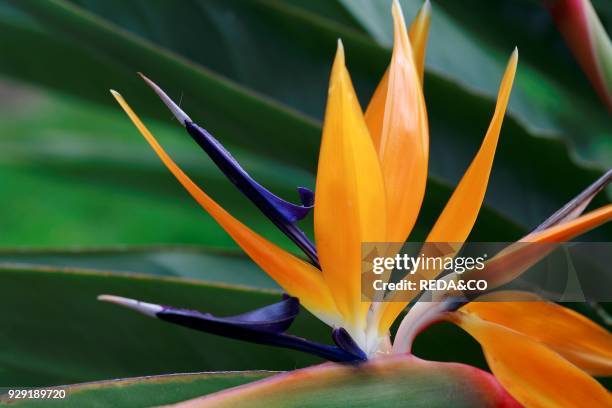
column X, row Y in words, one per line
column 306, row 196
column 578, row 204
column 275, row 318
column 266, row 325
column 281, row 212
column 344, row 340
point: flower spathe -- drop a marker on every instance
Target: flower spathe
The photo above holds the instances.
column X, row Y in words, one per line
column 366, row 163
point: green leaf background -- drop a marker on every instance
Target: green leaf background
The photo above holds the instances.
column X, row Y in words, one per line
column 88, row 208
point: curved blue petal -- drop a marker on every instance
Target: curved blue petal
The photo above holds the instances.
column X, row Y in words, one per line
column 281, row 212
column 266, row 325
column 275, row 318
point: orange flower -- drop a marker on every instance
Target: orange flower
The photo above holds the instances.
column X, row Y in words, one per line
column 365, row 165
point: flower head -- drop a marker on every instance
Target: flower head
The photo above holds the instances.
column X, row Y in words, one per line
column 370, row 186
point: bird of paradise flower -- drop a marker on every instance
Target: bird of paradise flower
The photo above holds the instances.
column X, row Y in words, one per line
column 370, row 186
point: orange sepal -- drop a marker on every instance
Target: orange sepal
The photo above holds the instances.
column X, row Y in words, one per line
column 296, row 276
column 520, row 256
column 397, row 121
column 459, row 215
column 530, row 371
column 575, row 337
column 350, row 197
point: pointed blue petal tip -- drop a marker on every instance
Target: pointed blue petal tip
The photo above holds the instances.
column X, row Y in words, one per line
column 266, row 325
column 282, row 213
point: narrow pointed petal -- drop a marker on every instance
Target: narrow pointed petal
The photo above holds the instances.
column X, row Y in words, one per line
column 375, row 112
column 350, row 199
column 563, row 225
column 578, row 339
column 570, row 229
column 281, row 212
column 588, row 40
column 517, row 258
column 147, row 309
column 402, row 136
column 271, row 205
column 297, row 277
column 418, row 33
column 577, row 205
column 178, row 113
column 266, row 325
column 276, row 317
column 459, row 215
column 533, row 374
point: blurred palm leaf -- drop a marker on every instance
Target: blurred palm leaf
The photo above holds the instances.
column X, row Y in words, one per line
column 211, row 61
column 190, row 262
column 144, row 391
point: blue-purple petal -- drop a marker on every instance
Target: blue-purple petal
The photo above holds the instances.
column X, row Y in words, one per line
column 344, row 340
column 282, row 213
column 266, row 325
